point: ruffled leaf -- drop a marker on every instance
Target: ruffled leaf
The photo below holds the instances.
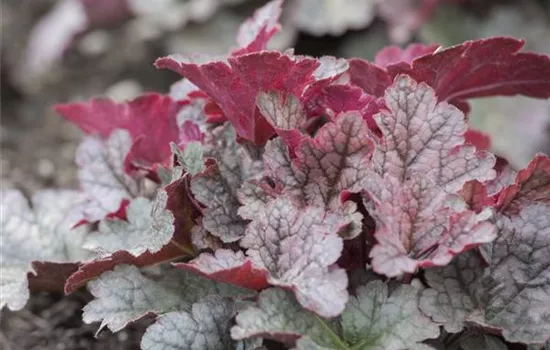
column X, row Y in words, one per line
column 423, row 136
column 40, row 235
column 125, row 295
column 102, row 177
column 139, row 116
column 374, row 319
column 519, row 276
column 452, row 298
column 216, row 187
column 416, row 229
column 149, row 226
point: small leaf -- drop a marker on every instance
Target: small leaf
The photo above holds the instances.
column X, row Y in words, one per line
column 206, row 327
column 255, row 32
column 298, row 247
column 125, row 295
column 149, row 226
column 192, row 157
column 229, row 267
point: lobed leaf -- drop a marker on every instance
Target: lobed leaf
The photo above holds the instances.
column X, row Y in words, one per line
column 125, row 295
column 298, row 247
column 423, row 136
column 102, row 177
column 373, row 319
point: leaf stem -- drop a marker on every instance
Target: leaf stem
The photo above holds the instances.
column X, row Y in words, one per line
column 187, row 250
column 333, row 336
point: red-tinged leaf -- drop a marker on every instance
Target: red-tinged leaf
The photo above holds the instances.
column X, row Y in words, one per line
column 392, row 55
column 234, row 83
column 480, row 140
column 415, row 228
column 50, row 276
column 150, row 119
column 285, row 114
column 475, row 195
column 189, row 132
column 90, row 270
column 426, row 137
column 480, row 68
column 506, row 176
column 229, row 267
column 332, row 100
column 531, row 184
column 371, row 78
column 298, row 248
column 183, row 212
column 255, row 32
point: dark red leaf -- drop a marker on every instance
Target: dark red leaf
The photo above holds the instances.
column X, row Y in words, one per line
column 234, row 83
column 229, row 267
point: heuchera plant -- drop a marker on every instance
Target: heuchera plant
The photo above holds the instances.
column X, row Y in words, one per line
column 322, row 203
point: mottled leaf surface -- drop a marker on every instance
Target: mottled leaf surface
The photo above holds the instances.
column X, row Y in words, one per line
column 148, row 227
column 101, row 174
column 125, row 295
column 255, row 32
column 40, row 234
column 297, row 247
column 424, row 136
column 373, row 319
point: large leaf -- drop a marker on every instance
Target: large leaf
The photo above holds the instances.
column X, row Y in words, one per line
column 421, row 135
column 518, row 285
column 149, row 226
column 150, row 120
column 205, row 326
column 479, row 68
column 374, row 319
column 40, row 235
column 335, row 161
column 511, row 294
column 125, row 295
column 416, row 229
column 101, row 174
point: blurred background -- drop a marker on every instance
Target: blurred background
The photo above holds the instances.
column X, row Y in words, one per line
column 65, row 50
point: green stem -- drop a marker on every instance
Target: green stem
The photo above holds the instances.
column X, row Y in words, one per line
column 333, row 336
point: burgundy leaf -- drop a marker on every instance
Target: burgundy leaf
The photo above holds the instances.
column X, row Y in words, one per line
column 150, row 119
column 229, row 267
column 480, row 140
column 475, row 195
column 234, row 83
column 531, row 184
column 391, row 55
column 480, row 68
